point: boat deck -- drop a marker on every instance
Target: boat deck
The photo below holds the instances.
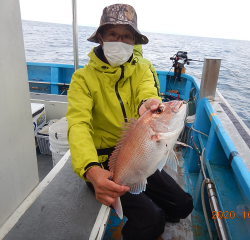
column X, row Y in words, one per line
column 236, row 129
column 65, row 209
column 44, row 164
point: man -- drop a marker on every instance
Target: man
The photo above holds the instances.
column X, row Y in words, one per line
column 110, row 89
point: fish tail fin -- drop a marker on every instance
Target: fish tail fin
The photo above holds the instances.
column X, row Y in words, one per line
column 172, row 160
column 118, row 207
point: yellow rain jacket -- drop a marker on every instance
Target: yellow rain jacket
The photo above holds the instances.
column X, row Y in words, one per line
column 138, row 53
column 100, row 98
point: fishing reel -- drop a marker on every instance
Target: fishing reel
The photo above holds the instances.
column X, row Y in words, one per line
column 179, row 60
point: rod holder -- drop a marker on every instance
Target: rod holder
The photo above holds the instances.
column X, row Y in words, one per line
column 209, row 79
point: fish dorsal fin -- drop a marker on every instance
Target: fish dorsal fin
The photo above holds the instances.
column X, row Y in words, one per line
column 172, row 160
column 126, row 126
column 138, row 188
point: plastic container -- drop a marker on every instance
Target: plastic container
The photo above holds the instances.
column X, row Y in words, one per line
column 42, row 137
column 38, row 116
column 58, row 140
column 43, row 143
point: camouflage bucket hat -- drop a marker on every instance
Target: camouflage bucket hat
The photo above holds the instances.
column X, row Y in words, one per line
column 120, row 14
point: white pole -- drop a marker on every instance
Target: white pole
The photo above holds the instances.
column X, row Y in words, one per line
column 75, row 35
column 209, row 79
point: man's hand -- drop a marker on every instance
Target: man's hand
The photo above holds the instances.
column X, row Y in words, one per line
column 151, row 103
column 106, row 191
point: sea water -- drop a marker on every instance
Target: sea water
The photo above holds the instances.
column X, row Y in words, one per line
column 53, row 43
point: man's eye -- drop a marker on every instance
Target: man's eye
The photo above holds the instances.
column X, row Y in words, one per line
column 128, row 37
column 112, row 34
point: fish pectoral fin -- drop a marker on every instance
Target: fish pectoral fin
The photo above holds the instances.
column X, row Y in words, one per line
column 183, row 144
column 163, row 162
column 172, row 160
column 118, row 207
column 138, row 188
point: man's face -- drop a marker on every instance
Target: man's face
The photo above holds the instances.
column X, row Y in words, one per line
column 117, row 33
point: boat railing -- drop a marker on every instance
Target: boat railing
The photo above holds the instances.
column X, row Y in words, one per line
column 54, row 78
column 49, row 78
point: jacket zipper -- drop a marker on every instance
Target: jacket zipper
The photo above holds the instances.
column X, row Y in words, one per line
column 118, row 95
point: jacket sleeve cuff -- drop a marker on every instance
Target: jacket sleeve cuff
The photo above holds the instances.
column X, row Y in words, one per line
column 92, row 164
column 140, row 104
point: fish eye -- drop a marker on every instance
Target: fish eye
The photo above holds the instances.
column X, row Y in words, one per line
column 159, row 110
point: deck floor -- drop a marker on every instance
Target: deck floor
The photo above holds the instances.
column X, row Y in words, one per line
column 45, row 164
column 182, row 230
column 178, row 231
column 65, row 209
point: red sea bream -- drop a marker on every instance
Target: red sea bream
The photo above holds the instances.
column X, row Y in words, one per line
column 145, row 146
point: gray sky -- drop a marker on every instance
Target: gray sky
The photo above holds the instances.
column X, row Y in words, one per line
column 210, row 18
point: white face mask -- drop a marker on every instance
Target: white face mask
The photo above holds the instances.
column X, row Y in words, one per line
column 117, row 53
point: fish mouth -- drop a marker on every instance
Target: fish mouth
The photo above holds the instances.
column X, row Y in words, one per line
column 179, row 106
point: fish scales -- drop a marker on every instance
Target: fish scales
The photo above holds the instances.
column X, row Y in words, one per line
column 138, row 156
column 135, row 156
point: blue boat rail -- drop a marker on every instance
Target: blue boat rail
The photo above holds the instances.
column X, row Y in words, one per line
column 54, row 78
column 49, row 78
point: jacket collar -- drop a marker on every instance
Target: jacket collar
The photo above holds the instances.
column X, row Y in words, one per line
column 99, row 53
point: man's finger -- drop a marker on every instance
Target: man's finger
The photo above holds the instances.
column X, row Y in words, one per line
column 118, row 188
column 154, row 107
column 106, row 200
